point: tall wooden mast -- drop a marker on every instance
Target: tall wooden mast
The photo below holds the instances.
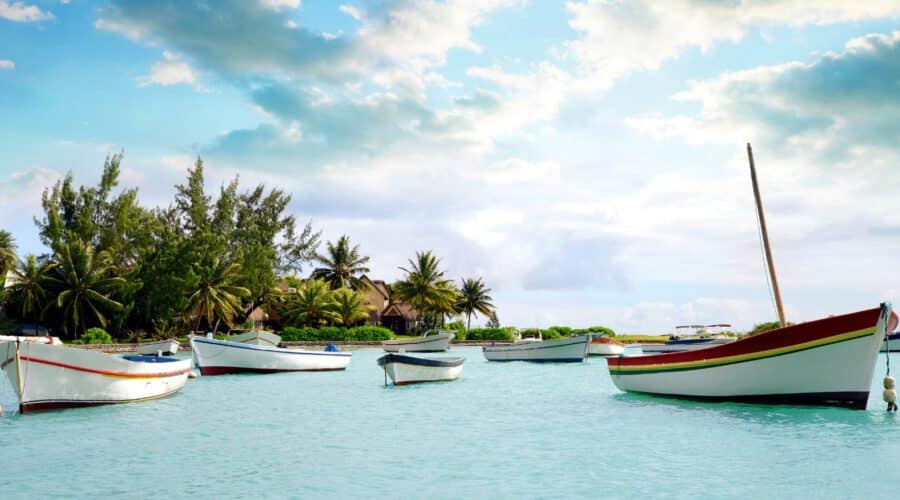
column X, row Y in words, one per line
column 765, row 237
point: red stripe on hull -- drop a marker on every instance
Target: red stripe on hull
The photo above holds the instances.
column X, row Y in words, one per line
column 225, row 370
column 103, row 372
column 774, row 339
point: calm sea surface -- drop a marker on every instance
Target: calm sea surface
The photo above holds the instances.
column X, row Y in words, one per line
column 503, row 430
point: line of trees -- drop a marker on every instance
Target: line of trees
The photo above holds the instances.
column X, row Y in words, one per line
column 203, row 262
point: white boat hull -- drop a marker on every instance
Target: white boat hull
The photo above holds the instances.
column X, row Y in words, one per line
column 166, row 347
column 678, row 347
column 48, row 376
column 827, row 362
column 570, row 349
column 257, row 338
column 431, row 343
column 403, row 372
column 595, row 349
column 217, row 357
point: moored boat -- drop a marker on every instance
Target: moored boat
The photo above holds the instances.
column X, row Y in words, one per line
column 891, row 343
column 566, row 350
column 46, row 376
column 703, row 336
column 435, row 342
column 825, row 362
column 256, row 337
column 164, row 347
column 218, row 357
column 406, row 369
column 604, row 345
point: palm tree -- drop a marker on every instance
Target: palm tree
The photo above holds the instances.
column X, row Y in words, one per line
column 216, row 297
column 313, row 304
column 7, row 253
column 28, row 290
column 342, row 264
column 85, row 281
column 473, row 299
column 425, row 287
column 350, row 306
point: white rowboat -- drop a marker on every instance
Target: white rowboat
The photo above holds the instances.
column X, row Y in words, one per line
column 54, row 376
column 256, row 338
column 438, row 342
column 404, row 369
column 217, row 357
column 603, row 345
column 164, row 347
column 568, row 350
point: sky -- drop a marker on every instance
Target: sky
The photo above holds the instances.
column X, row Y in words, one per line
column 586, row 158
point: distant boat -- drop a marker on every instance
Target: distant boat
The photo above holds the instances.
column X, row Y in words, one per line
column 47, row 376
column 164, row 347
column 406, row 369
column 218, row 357
column 604, row 345
column 256, row 337
column 566, row 350
column 702, row 336
column 435, row 342
column 891, row 343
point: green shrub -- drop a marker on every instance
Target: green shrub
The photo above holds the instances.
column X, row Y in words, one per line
column 96, row 336
column 458, row 328
column 503, row 334
column 369, row 333
column 595, row 329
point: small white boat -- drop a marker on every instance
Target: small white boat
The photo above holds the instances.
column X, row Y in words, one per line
column 218, row 357
column 46, row 376
column 256, row 338
column 160, row 347
column 603, row 345
column 435, row 342
column 702, row 336
column 405, row 369
column 568, row 350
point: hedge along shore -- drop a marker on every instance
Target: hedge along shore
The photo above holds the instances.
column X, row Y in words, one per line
column 185, row 347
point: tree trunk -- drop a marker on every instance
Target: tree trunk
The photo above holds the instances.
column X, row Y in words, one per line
column 468, row 322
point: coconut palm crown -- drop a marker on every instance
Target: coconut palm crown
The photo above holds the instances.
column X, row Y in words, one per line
column 425, row 287
column 341, row 265
column 85, row 282
column 217, row 298
column 7, row 253
column 474, row 299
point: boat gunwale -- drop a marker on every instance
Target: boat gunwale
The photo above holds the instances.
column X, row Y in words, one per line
column 265, row 348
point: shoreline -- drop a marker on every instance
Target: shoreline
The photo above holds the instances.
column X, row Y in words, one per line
column 185, row 347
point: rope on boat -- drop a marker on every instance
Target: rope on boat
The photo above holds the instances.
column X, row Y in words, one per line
column 890, row 392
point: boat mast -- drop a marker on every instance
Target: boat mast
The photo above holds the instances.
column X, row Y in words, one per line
column 765, row 237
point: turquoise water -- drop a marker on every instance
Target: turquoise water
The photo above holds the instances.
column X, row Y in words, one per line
column 503, row 430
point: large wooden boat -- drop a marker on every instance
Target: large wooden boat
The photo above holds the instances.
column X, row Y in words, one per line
column 566, row 350
column 218, row 357
column 404, row 369
column 47, row 376
column 435, row 342
column 825, row 362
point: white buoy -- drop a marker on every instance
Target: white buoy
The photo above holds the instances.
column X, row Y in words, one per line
column 890, row 393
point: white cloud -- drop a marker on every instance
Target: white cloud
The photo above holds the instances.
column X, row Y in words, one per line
column 22, row 13
column 278, row 5
column 7, row 64
column 170, row 71
column 616, row 38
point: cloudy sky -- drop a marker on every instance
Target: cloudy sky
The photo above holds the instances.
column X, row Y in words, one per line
column 586, row 158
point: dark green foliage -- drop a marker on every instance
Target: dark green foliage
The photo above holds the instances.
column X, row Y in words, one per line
column 458, row 328
column 765, row 327
column 558, row 331
column 336, row 334
column 595, row 329
column 503, row 334
column 96, row 336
